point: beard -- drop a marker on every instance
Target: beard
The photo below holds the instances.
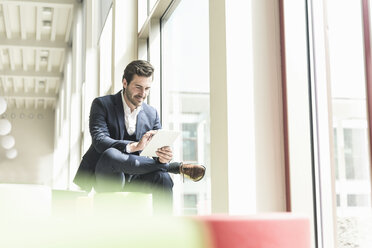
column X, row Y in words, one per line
column 136, row 100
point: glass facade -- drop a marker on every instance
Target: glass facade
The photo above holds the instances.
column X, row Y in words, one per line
column 349, row 118
column 105, row 56
column 185, row 96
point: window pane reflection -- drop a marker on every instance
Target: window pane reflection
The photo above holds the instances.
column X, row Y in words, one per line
column 351, row 148
column 356, row 156
column 185, row 98
column 105, row 47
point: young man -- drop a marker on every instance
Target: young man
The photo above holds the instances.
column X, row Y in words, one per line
column 121, row 125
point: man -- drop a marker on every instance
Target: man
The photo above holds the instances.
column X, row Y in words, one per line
column 121, row 125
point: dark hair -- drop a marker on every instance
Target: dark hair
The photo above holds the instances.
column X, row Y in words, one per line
column 138, row 67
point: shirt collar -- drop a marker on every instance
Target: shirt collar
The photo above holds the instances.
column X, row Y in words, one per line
column 127, row 109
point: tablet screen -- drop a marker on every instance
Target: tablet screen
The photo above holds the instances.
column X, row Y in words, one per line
column 160, row 139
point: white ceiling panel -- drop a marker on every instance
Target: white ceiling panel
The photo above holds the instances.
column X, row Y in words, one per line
column 34, row 36
column 14, row 20
column 17, row 57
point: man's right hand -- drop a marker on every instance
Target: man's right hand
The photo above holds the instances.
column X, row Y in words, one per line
column 140, row 145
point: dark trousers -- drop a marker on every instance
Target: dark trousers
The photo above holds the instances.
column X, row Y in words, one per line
column 117, row 171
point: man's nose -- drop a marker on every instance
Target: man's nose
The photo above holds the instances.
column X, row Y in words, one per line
column 143, row 92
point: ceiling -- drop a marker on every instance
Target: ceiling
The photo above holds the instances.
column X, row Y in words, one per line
column 34, row 38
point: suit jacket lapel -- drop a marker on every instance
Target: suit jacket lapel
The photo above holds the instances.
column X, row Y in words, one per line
column 120, row 114
column 139, row 124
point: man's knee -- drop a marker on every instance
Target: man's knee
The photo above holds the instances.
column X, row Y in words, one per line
column 107, row 178
column 163, row 178
column 110, row 182
column 106, row 156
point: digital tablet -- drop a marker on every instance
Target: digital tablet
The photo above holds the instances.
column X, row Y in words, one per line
column 160, row 139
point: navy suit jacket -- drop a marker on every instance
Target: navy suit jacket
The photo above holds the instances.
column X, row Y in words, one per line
column 107, row 128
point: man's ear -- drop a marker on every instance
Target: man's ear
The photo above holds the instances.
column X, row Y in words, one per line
column 125, row 84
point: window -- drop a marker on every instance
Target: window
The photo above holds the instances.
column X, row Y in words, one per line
column 345, row 69
column 142, row 13
column 189, row 142
column 185, row 95
column 190, row 203
column 105, row 56
column 358, row 200
column 356, row 154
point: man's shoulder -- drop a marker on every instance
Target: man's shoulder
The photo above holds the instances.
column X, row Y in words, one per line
column 148, row 108
column 107, row 98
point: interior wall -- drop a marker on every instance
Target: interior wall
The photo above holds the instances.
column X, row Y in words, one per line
column 76, row 95
column 298, row 109
column 62, row 132
column 68, row 134
column 33, row 130
column 269, row 142
column 247, row 153
column 124, row 38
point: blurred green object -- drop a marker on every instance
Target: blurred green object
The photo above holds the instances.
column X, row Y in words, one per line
column 123, row 203
column 97, row 221
column 64, row 201
column 99, row 232
column 24, row 201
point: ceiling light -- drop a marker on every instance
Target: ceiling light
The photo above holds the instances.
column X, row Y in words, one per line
column 11, row 154
column 5, row 127
column 47, row 10
column 3, row 105
column 47, row 24
column 44, row 53
column 8, row 142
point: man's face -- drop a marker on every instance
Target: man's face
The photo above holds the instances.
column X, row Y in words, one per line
column 137, row 91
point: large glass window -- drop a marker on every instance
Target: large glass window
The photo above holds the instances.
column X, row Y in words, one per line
column 351, row 146
column 105, row 56
column 185, row 96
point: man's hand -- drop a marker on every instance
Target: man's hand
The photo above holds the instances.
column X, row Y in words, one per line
column 165, row 154
column 140, row 145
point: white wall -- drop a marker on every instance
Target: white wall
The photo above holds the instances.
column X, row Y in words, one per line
column 90, row 87
column 298, row 102
column 68, row 135
column 72, row 137
column 76, row 96
column 268, row 108
column 247, row 153
column 62, row 130
column 124, row 38
column 33, row 130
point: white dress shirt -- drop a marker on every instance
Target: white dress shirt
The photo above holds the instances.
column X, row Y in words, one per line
column 130, row 118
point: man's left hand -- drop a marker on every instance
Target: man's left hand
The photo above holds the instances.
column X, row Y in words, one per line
column 165, row 154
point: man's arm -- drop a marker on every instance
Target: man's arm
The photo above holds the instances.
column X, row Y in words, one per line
column 140, row 145
column 157, row 124
column 99, row 131
column 165, row 154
